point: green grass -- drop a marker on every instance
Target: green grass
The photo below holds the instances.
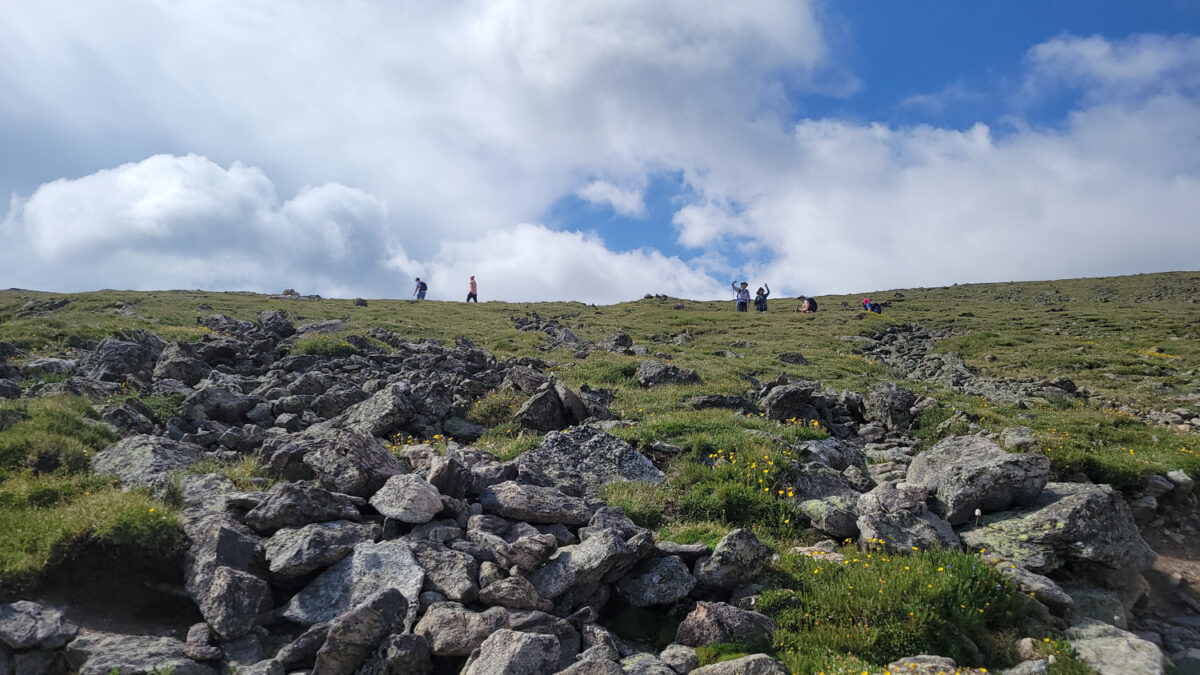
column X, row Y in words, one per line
column 878, row 608
column 50, row 502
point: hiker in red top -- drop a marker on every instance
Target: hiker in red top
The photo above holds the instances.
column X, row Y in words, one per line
column 473, row 292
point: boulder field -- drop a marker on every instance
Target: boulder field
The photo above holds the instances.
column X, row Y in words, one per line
column 358, row 556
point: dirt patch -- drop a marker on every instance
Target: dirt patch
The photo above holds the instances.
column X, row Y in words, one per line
column 120, row 590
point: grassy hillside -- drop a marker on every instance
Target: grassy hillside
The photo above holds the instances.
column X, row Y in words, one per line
column 1132, row 342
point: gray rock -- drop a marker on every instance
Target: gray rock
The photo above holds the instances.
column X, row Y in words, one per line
column 835, row 516
column 713, row 622
column 893, row 497
column 737, row 560
column 276, row 321
column 408, row 498
column 681, row 658
column 755, row 664
column 234, row 599
column 453, row 574
column 508, row 652
column 1018, row 439
column 146, row 461
column 178, row 362
column 350, row 462
column 399, row 655
column 569, row 640
column 48, row 366
column 594, row 666
column 294, row 552
column 1041, row 588
column 199, row 645
column 28, row 625
column 1034, row 667
column 801, row 400
column 514, row 593
column 115, row 359
column 382, row 415
column 965, row 473
column 103, row 653
column 298, row 504
column 215, row 402
column 449, row 476
column 371, row 568
column 656, row 581
column 1070, row 524
column 582, row 566
column 542, row 412
column 923, row 664
column 1183, row 483
column 452, row 630
column 817, row 480
column 645, row 664
column 1112, row 651
column 355, row 634
column 38, row 662
column 9, row 389
column 653, row 373
column 835, row 452
column 534, row 504
column 302, row 652
column 900, row 532
column 582, row 459
column 890, row 406
column 1096, row 604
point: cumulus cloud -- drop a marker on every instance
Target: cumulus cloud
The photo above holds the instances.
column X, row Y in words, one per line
column 623, row 202
column 456, row 122
column 170, row 222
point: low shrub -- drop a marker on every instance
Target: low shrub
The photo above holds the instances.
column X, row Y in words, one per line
column 331, row 346
column 497, row 407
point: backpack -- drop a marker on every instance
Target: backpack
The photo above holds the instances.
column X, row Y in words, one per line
column 812, row 304
column 424, row 286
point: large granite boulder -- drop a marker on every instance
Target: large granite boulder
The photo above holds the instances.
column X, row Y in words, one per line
column 407, row 498
column 905, row 531
column 382, row 415
column 371, row 568
column 1112, row 651
column 736, row 561
column 1069, row 525
column 657, row 581
column 965, row 473
column 298, row 504
column 354, row 635
column 508, row 652
column 28, row 625
column 890, row 406
column 713, row 622
column 293, row 552
column 351, row 462
column 106, row 653
column 146, row 461
column 582, row 459
column 534, row 504
column 453, row 630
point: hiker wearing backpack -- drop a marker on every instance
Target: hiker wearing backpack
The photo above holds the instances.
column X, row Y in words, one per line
column 742, row 295
column 807, row 305
column 760, row 298
column 421, row 288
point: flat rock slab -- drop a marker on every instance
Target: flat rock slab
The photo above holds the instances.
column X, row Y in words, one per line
column 145, row 461
column 534, row 504
column 582, row 459
column 408, row 498
column 28, row 625
column 104, row 653
column 370, row 569
column 1069, row 523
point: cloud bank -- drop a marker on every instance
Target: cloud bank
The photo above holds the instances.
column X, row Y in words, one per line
column 199, row 144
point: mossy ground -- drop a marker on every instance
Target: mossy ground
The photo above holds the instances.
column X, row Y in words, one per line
column 1135, row 340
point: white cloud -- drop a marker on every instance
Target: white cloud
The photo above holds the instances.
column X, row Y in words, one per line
column 170, row 222
column 623, row 202
column 455, row 121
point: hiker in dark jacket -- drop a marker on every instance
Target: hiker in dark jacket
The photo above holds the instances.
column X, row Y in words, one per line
column 760, row 298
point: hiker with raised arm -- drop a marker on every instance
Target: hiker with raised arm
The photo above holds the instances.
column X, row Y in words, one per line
column 760, row 298
column 742, row 295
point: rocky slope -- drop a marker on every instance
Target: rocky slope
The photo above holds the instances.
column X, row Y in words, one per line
column 361, row 555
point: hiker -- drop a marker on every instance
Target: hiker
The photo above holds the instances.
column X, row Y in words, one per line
column 807, row 305
column 742, row 294
column 869, row 306
column 421, row 288
column 472, row 293
column 760, row 298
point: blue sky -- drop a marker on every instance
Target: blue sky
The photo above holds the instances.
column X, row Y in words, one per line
column 595, row 150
